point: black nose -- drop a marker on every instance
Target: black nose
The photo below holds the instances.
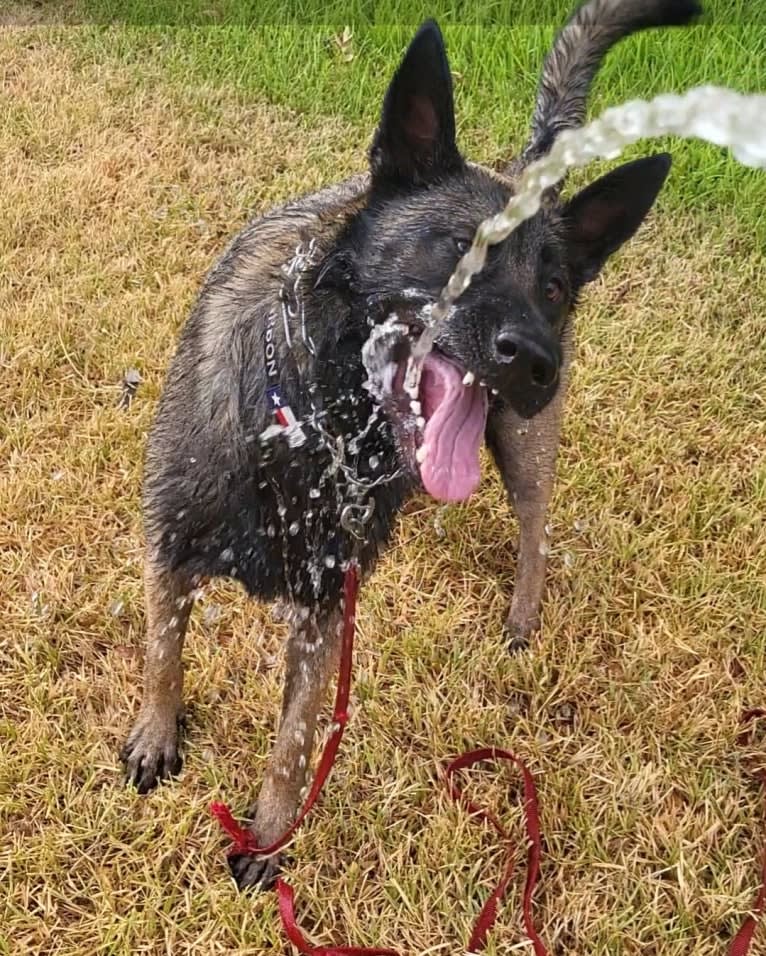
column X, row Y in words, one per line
column 532, row 359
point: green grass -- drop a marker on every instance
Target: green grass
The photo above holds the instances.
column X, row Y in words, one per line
column 496, row 72
column 368, row 12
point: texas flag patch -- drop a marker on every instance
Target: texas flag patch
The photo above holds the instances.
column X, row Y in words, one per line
column 286, row 417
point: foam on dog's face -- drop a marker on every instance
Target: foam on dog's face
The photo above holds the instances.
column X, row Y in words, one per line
column 440, row 410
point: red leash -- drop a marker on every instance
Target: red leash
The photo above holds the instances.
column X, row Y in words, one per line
column 488, row 914
column 244, row 841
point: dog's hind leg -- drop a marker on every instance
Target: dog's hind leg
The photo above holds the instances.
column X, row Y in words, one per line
column 151, row 752
column 525, row 452
column 313, row 653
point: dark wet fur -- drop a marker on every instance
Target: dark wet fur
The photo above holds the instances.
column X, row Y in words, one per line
column 577, row 54
column 218, row 501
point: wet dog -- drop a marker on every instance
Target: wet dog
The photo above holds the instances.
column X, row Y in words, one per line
column 289, row 434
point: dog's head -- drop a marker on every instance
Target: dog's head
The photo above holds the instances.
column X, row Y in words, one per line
column 504, row 333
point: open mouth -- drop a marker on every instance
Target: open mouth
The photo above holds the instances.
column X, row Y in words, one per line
column 439, row 408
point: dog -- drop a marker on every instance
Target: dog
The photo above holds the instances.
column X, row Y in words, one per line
column 289, row 432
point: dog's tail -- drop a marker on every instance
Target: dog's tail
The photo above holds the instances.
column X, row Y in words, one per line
column 577, row 53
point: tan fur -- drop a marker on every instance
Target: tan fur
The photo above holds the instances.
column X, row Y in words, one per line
column 152, row 745
column 312, row 659
column 526, row 453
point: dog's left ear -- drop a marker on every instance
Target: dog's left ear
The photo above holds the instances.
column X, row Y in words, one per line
column 415, row 141
column 607, row 213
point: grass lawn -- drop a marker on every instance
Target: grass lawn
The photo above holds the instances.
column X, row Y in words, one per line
column 128, row 156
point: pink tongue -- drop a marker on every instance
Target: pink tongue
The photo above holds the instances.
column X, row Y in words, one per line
column 456, row 417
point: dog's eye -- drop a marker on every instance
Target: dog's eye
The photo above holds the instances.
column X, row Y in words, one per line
column 462, row 245
column 554, row 290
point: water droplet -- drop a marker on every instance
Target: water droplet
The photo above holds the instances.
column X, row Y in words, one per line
column 210, row 615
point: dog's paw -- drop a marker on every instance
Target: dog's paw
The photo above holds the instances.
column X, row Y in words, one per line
column 517, row 643
column 520, row 628
column 519, row 636
column 255, row 872
column 151, row 752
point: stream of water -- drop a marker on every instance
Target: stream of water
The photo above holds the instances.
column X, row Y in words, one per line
column 711, row 113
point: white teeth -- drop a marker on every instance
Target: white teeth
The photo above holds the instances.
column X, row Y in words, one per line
column 415, row 407
column 494, row 391
column 469, row 378
column 483, row 383
column 420, row 422
column 420, row 454
column 412, row 379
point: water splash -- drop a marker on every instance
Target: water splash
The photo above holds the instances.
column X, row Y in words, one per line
column 711, row 113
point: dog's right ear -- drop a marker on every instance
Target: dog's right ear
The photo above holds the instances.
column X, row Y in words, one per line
column 415, row 141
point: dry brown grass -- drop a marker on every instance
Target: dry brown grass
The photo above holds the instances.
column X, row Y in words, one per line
column 32, row 13
column 116, row 196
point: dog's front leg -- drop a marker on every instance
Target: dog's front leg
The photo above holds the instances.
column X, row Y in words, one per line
column 312, row 659
column 525, row 452
column 151, row 752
